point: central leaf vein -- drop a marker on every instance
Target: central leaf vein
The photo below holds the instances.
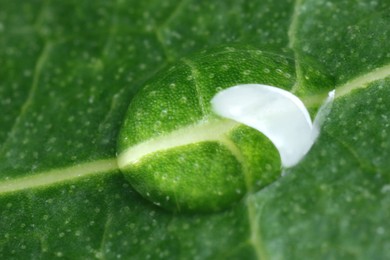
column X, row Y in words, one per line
column 59, row 175
column 204, row 131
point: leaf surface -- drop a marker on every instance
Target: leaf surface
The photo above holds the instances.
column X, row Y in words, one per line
column 69, row 69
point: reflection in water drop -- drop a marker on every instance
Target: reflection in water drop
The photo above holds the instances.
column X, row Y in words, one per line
column 275, row 112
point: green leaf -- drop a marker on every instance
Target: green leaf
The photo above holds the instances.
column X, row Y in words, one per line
column 69, row 70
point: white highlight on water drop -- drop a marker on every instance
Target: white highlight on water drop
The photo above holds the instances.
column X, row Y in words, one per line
column 277, row 113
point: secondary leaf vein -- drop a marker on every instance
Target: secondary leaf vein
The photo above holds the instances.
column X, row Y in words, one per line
column 292, row 32
column 254, row 226
column 195, row 75
column 35, row 82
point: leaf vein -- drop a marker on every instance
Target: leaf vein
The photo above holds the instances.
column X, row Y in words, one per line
column 255, row 235
column 35, row 82
column 195, row 75
column 159, row 30
column 359, row 82
column 45, row 179
column 292, row 33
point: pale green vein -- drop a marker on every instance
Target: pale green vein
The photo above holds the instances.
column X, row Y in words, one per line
column 294, row 24
column 359, row 82
column 292, row 32
column 102, row 254
column 255, row 238
column 112, row 30
column 160, row 38
column 41, row 16
column 43, row 243
column 175, row 13
column 195, row 76
column 204, row 131
column 116, row 98
column 35, row 82
column 363, row 80
column 240, row 158
column 51, row 177
column 232, row 147
column 159, row 30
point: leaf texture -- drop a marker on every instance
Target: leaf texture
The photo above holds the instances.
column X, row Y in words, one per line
column 69, row 69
